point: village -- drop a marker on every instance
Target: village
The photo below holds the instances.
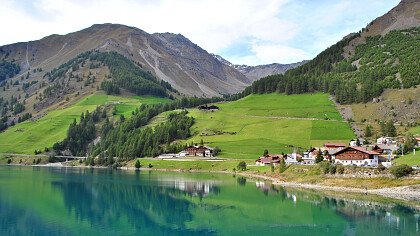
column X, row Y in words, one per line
column 381, row 153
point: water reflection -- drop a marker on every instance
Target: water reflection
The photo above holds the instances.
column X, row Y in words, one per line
column 150, row 205
column 386, row 217
column 51, row 201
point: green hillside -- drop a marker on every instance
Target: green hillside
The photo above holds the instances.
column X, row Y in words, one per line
column 382, row 62
column 279, row 123
column 27, row 136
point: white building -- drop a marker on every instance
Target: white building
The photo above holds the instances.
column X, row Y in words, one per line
column 384, row 140
column 357, row 156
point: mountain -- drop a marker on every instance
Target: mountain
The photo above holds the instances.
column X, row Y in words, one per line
column 384, row 55
column 257, row 72
column 403, row 16
column 254, row 73
column 170, row 57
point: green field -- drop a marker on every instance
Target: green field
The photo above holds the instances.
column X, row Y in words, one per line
column 410, row 159
column 279, row 123
column 28, row 136
column 415, row 130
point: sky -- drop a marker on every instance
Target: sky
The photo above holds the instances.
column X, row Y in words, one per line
column 250, row 32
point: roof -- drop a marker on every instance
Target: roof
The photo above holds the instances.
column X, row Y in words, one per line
column 386, row 147
column 197, row 147
column 267, row 160
column 335, row 145
column 360, row 149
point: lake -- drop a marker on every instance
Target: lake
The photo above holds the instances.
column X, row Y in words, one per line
column 82, row 201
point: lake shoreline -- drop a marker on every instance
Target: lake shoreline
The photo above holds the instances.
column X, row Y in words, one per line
column 405, row 193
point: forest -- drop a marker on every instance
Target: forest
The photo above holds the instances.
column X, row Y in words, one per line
column 129, row 138
column 8, row 70
column 124, row 73
column 390, row 61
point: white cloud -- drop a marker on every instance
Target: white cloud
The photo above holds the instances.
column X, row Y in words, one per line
column 213, row 24
column 269, row 53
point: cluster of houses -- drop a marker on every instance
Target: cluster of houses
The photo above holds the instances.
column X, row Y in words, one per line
column 368, row 155
column 192, row 151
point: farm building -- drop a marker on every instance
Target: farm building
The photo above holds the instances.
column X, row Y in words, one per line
column 208, row 108
column 358, row 156
column 334, row 147
column 268, row 160
column 384, row 140
column 294, row 158
column 203, row 151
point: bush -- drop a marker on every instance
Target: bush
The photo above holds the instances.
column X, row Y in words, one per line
column 401, row 170
column 241, row 166
column 319, row 159
column 137, row 165
column 333, row 169
column 340, row 169
column 150, row 165
column 216, row 151
column 282, row 165
column 381, row 167
column 325, row 167
column 52, row 159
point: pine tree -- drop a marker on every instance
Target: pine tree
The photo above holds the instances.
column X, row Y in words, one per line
column 368, row 131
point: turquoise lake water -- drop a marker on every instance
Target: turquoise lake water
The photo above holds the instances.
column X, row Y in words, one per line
column 80, row 201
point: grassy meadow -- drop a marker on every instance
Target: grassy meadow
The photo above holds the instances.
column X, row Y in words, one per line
column 410, row 159
column 27, row 136
column 279, row 123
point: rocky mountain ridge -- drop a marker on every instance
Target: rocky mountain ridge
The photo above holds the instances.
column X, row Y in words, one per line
column 257, row 72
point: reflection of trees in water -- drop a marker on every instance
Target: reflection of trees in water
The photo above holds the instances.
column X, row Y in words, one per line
column 19, row 221
column 241, row 181
column 148, row 208
column 389, row 218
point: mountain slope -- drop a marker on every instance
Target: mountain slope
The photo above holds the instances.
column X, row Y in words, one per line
column 376, row 63
column 254, row 73
column 172, row 58
column 403, row 16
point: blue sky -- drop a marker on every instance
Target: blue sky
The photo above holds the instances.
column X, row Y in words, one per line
column 242, row 31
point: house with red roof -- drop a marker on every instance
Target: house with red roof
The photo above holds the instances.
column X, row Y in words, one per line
column 268, row 160
column 357, row 156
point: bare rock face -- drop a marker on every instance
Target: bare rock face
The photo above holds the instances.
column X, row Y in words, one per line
column 257, row 72
column 172, row 58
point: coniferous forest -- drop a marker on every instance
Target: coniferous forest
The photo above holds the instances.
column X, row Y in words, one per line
column 390, row 61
